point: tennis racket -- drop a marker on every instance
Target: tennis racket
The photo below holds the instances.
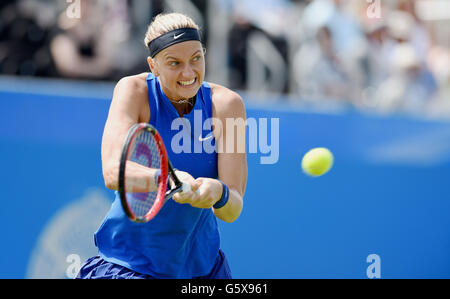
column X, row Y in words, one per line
column 144, row 151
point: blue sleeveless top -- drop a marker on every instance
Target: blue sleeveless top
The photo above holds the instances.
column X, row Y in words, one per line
column 181, row 241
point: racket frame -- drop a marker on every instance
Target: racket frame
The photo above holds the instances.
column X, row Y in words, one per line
column 165, row 167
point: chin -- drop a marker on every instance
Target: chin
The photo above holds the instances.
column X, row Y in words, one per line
column 190, row 94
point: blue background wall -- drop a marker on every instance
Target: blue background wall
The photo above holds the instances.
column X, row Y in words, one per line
column 387, row 194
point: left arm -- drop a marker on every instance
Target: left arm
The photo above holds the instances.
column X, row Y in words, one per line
column 232, row 158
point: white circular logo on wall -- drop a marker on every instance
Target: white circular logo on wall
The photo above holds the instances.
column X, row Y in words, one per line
column 67, row 240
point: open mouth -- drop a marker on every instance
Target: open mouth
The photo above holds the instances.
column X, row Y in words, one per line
column 187, row 83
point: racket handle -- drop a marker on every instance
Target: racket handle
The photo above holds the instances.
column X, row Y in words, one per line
column 187, row 188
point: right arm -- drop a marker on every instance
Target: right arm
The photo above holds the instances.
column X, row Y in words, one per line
column 129, row 106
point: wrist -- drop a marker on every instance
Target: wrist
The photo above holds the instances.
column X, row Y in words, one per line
column 224, row 197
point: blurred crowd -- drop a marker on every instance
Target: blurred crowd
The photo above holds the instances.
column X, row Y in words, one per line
column 381, row 54
column 78, row 39
column 390, row 55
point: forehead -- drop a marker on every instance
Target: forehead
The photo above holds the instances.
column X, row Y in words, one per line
column 181, row 50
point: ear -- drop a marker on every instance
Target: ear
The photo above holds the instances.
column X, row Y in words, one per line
column 152, row 65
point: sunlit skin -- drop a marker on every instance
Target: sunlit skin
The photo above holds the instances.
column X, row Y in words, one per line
column 182, row 62
column 175, row 67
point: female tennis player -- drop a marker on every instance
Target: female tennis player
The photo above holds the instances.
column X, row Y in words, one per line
column 182, row 241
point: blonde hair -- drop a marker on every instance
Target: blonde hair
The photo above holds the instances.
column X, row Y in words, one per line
column 164, row 23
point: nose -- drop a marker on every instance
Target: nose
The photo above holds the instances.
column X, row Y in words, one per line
column 187, row 71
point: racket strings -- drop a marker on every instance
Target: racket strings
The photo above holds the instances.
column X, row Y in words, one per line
column 145, row 152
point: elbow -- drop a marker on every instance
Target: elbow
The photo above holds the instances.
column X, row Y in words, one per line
column 233, row 212
column 236, row 215
column 110, row 177
column 111, row 185
column 231, row 218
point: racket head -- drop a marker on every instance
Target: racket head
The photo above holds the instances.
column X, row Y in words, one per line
column 143, row 145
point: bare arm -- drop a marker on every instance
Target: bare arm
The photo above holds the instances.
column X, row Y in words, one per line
column 232, row 161
column 128, row 107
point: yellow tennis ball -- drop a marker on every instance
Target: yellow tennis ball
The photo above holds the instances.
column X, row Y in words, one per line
column 317, row 161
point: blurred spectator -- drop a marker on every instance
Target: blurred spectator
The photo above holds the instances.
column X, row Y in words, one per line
column 25, row 30
column 398, row 68
column 378, row 53
column 269, row 17
column 330, row 61
column 418, row 36
column 439, row 62
column 239, row 33
column 88, row 46
column 319, row 72
column 410, row 87
column 403, row 27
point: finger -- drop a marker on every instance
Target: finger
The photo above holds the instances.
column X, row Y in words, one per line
column 180, row 198
column 197, row 184
column 186, row 195
column 190, row 190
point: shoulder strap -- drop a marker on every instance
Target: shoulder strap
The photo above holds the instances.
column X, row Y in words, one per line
column 207, row 99
column 152, row 98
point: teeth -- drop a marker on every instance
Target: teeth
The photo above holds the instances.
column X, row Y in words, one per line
column 187, row 82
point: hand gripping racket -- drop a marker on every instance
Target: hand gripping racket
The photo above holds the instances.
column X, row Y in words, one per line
column 144, row 150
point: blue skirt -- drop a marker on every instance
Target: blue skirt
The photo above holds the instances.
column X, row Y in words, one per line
column 97, row 268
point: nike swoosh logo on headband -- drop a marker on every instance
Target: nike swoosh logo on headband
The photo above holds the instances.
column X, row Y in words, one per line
column 177, row 36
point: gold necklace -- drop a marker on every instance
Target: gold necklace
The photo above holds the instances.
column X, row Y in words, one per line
column 188, row 101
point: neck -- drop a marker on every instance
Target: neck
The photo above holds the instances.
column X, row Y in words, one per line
column 183, row 106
